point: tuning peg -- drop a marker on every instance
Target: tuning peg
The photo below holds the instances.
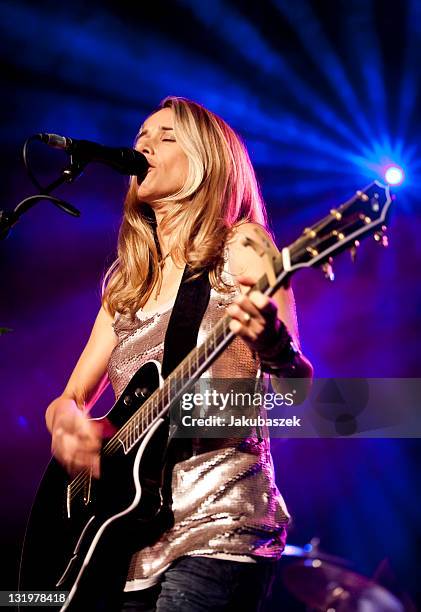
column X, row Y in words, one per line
column 381, row 238
column 328, row 270
column 353, row 250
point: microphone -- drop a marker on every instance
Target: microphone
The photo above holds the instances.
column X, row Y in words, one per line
column 123, row 159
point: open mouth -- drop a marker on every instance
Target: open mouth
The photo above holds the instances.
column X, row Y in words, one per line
column 140, row 179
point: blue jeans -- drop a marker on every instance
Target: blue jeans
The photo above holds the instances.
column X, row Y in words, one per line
column 200, row 584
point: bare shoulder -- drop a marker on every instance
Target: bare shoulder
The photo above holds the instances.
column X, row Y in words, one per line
column 245, row 246
column 104, row 317
column 249, row 229
column 103, row 337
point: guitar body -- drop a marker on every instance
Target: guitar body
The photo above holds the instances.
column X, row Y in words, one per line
column 80, row 537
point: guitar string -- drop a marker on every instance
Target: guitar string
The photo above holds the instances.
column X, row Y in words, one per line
column 198, row 355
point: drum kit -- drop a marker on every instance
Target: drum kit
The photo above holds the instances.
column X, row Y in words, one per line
column 325, row 583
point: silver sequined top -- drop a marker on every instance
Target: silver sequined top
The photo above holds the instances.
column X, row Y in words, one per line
column 225, row 501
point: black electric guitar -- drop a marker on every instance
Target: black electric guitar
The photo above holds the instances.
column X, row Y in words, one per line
column 73, row 538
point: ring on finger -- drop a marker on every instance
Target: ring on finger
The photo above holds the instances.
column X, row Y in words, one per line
column 246, row 318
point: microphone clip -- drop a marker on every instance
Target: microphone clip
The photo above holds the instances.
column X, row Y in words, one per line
column 75, row 168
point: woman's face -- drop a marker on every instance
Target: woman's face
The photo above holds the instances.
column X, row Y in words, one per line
column 168, row 162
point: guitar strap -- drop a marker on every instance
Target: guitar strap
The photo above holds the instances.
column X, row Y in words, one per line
column 187, row 314
column 183, row 327
column 180, row 338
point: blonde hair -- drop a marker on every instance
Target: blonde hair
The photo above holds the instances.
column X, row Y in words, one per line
column 220, row 192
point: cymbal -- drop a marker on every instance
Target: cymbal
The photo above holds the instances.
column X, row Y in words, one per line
column 310, row 552
column 325, row 587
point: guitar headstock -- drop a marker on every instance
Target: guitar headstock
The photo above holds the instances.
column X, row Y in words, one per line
column 365, row 214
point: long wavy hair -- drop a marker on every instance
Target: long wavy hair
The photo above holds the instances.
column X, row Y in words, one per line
column 220, row 192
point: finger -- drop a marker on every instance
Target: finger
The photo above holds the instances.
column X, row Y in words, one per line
column 83, row 439
column 242, row 306
column 89, row 435
column 73, row 468
column 242, row 330
column 241, row 314
column 96, row 466
column 85, row 426
column 84, row 461
column 63, row 445
column 89, row 443
column 264, row 304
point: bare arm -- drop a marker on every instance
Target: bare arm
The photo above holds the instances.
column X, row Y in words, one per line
column 88, row 379
column 76, row 439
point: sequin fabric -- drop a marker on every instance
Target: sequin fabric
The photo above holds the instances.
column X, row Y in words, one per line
column 225, row 500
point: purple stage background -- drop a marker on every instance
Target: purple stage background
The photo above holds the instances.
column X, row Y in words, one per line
column 324, row 94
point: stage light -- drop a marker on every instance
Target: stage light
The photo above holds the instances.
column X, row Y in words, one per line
column 394, row 175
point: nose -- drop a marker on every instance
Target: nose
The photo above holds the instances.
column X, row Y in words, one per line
column 145, row 145
column 146, row 148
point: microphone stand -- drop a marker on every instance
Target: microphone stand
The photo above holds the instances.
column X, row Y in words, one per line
column 9, row 218
column 82, row 153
